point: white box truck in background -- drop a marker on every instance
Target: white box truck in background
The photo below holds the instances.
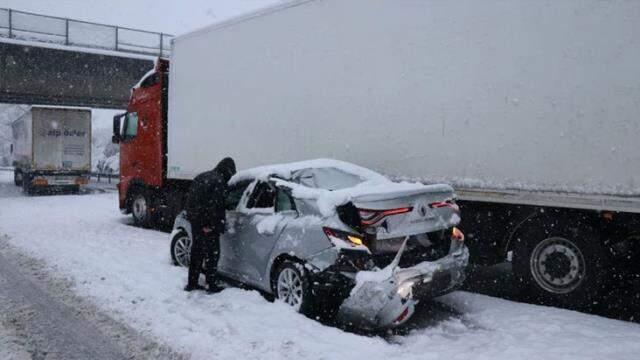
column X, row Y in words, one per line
column 529, row 108
column 52, row 148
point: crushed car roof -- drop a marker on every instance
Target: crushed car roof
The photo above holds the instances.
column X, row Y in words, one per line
column 374, row 186
column 285, row 170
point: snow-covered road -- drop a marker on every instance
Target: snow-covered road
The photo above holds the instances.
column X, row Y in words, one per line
column 126, row 272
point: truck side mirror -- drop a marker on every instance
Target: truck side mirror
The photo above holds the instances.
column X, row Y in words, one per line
column 118, row 127
column 11, row 149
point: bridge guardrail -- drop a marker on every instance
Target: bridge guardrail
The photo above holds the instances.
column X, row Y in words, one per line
column 22, row 25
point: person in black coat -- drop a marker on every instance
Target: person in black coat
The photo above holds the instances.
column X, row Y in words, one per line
column 205, row 208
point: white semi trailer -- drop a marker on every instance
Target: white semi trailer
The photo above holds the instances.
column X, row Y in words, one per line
column 530, row 108
column 52, row 148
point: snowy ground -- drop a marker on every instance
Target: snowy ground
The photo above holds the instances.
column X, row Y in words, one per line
column 11, row 345
column 126, row 272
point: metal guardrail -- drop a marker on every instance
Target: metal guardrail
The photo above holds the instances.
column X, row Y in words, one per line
column 22, row 25
column 108, row 176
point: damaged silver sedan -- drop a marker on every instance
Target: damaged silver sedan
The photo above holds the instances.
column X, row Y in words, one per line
column 332, row 234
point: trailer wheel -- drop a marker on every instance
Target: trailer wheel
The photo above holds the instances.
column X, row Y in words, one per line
column 17, row 177
column 141, row 208
column 27, row 188
column 566, row 266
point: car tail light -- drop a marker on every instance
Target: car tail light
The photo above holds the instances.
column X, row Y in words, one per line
column 370, row 217
column 402, row 316
column 342, row 238
column 456, row 234
column 82, row 181
column 448, row 203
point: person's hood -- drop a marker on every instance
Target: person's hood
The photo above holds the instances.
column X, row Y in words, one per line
column 226, row 167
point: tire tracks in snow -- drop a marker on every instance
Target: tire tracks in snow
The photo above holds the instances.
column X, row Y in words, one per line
column 48, row 321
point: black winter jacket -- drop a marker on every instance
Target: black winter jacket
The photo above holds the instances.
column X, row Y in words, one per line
column 205, row 203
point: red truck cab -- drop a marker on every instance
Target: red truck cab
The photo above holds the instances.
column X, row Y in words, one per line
column 142, row 135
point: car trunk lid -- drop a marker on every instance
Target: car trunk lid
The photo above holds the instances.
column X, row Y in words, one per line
column 399, row 210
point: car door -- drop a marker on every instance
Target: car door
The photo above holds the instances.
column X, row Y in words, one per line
column 229, row 259
column 257, row 230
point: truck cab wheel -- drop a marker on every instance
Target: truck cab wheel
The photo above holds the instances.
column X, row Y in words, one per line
column 141, row 208
column 566, row 268
column 17, row 177
column 27, row 188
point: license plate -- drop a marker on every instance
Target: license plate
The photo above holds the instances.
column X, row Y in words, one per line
column 62, row 180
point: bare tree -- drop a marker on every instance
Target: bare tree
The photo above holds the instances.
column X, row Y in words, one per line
column 9, row 113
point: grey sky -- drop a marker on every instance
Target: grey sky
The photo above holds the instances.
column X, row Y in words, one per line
column 169, row 16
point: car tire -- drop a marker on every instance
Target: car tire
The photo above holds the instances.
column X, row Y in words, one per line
column 141, row 208
column 291, row 284
column 181, row 249
column 566, row 266
column 17, row 177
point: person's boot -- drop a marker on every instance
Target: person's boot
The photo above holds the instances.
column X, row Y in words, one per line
column 213, row 286
column 191, row 287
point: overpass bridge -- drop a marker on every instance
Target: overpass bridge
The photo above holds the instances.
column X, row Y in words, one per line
column 50, row 60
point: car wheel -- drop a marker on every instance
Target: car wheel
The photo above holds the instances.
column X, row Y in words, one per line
column 566, row 267
column 141, row 208
column 17, row 177
column 292, row 286
column 181, row 249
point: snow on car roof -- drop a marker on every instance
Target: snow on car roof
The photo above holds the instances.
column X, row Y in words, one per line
column 285, row 171
column 374, row 186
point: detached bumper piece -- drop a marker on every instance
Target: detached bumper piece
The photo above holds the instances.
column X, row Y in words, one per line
column 387, row 298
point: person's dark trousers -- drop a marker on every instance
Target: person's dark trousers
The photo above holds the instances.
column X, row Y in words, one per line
column 205, row 247
column 197, row 256
column 212, row 253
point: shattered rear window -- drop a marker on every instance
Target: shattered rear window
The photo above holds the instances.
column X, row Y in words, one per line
column 327, row 178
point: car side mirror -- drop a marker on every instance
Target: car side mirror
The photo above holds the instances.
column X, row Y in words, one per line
column 118, row 128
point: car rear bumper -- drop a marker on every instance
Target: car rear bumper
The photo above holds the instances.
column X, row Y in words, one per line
column 51, row 178
column 389, row 301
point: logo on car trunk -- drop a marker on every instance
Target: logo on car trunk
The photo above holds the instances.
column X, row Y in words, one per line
column 423, row 211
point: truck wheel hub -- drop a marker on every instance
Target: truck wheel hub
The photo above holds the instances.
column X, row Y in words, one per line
column 140, row 207
column 557, row 265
